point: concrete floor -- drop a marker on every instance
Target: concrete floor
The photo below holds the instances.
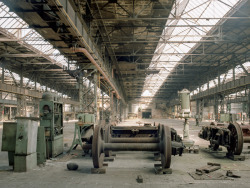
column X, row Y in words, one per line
column 127, row 166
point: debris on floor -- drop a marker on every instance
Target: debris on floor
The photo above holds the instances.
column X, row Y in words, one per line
column 72, row 166
column 209, row 168
column 230, row 174
column 194, row 149
column 207, row 173
column 139, row 179
column 209, row 176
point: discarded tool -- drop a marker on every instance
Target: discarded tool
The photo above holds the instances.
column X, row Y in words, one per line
column 230, row 174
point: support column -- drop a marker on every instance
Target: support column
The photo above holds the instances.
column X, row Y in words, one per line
column 248, row 106
column 124, row 111
column 80, row 84
column 102, row 115
column 2, row 75
column 2, row 105
column 95, row 97
column 21, row 105
column 120, row 110
column 201, row 109
column 21, row 99
column 234, row 74
column 35, row 83
column 216, row 106
column 197, row 118
column 111, row 107
column 36, row 107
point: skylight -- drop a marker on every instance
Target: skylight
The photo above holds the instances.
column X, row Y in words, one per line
column 16, row 28
column 193, row 16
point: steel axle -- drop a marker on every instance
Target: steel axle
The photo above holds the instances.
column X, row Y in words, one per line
column 162, row 144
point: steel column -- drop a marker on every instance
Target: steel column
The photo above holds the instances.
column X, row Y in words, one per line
column 95, row 96
column 80, row 84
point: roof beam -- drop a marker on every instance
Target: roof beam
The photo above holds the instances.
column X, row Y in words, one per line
column 20, row 55
column 166, row 18
column 184, row 54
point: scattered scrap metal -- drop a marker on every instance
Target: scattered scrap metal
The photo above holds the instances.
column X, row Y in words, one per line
column 208, row 173
column 211, row 167
column 139, row 179
column 230, row 174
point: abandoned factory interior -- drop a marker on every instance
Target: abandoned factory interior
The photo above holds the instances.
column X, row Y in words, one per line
column 124, row 93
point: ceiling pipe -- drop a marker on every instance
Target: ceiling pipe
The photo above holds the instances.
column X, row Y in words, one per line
column 92, row 60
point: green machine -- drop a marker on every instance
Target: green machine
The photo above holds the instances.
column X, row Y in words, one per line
column 84, row 129
column 227, row 117
column 20, row 140
column 51, row 113
column 9, row 140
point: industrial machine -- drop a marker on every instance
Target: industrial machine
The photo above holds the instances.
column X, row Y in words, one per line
column 84, row 129
column 51, row 113
column 185, row 113
column 232, row 136
column 9, row 140
column 136, row 138
column 20, row 140
column 226, row 117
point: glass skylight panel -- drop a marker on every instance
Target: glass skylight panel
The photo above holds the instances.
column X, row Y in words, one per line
column 16, row 26
column 202, row 14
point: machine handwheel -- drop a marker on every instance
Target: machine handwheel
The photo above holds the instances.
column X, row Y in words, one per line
column 108, row 153
column 236, row 144
column 97, row 147
column 166, row 146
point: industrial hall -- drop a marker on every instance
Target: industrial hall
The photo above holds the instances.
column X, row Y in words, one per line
column 124, row 93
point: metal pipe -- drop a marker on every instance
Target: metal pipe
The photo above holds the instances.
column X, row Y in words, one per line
column 132, row 147
column 134, row 140
column 88, row 55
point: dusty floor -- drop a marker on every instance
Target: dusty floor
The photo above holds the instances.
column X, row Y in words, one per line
column 127, row 166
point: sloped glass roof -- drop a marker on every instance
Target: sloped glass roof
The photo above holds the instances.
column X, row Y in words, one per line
column 18, row 29
column 197, row 18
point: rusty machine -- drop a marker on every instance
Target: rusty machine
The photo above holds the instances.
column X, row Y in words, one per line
column 159, row 138
column 231, row 136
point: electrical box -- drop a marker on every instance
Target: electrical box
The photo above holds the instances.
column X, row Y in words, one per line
column 9, row 136
column 9, row 140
